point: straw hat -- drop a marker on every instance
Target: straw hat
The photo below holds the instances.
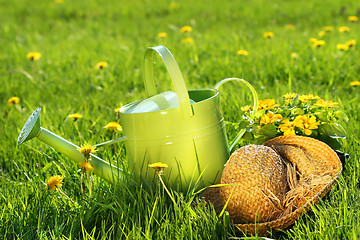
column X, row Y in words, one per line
column 310, row 168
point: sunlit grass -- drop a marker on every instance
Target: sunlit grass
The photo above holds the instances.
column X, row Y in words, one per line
column 73, row 38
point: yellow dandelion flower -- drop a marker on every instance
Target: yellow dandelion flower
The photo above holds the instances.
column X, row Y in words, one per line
column 246, row 108
column 319, row 43
column 326, row 104
column 313, row 40
column 267, row 104
column 344, row 29
column 86, row 149
column 101, row 65
column 294, row 55
column 13, row 101
column 342, row 47
column 289, row 97
column 86, row 166
column 33, row 56
column 54, row 182
column 270, row 118
column 186, row 29
column 308, row 98
column 322, row 33
column 242, row 52
column 173, row 5
column 353, row 18
column 158, row 165
column 268, row 35
column 328, row 28
column 117, row 109
column 355, row 83
column 113, row 126
column 288, row 127
column 75, row 116
column 162, row 35
column 188, row 40
column 290, row 26
column 306, row 123
column 351, row 43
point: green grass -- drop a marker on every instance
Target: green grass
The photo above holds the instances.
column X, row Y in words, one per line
column 73, row 36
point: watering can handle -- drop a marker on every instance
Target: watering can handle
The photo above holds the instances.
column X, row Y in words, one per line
column 175, row 75
column 256, row 104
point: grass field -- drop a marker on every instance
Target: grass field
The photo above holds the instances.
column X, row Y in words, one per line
column 73, row 36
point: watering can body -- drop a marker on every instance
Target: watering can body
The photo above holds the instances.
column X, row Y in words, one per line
column 195, row 149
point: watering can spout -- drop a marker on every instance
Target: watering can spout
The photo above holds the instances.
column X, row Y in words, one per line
column 31, row 129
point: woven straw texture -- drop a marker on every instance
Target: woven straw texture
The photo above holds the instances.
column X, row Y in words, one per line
column 317, row 168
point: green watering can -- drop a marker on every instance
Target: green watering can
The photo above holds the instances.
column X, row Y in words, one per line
column 184, row 129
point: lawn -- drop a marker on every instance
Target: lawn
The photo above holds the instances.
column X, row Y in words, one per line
column 73, row 37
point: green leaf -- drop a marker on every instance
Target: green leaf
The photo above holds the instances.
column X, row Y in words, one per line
column 268, row 130
column 341, row 115
column 321, row 115
column 333, row 130
column 259, row 114
column 297, row 111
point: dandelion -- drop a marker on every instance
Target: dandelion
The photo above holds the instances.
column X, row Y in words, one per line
column 268, row 35
column 13, row 101
column 173, row 5
column 342, row 47
column 33, row 56
column 117, row 109
column 308, row 98
column 54, row 182
column 355, row 83
column 186, row 29
column 242, row 52
column 288, row 127
column 113, row 126
column 351, row 43
column 246, row 108
column 313, row 40
column 101, row 65
column 294, row 55
column 86, row 166
column 270, row 118
column 326, row 104
column 75, row 116
column 306, row 123
column 353, row 18
column 322, row 33
column 158, row 172
column 267, row 104
column 158, row 166
column 162, row 35
column 86, row 149
column 188, row 40
column 289, row 97
column 344, row 29
column 328, row 28
column 319, row 43
column 290, row 26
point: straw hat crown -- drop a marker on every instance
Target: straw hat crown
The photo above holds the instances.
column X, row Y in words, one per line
column 257, row 179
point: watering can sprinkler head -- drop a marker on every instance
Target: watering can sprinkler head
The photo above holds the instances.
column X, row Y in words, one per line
column 31, row 129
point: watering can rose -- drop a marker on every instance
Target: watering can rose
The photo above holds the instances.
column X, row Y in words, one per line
column 306, row 115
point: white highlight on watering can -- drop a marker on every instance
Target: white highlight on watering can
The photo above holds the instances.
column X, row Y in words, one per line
column 160, row 102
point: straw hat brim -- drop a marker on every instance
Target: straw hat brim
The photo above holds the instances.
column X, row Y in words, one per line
column 265, row 228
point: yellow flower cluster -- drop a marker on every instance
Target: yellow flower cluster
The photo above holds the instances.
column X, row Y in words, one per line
column 54, row 183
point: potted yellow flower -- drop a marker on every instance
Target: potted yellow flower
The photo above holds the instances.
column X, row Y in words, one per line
column 305, row 115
